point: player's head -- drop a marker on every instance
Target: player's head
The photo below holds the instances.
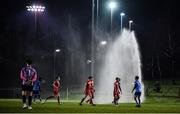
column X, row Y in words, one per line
column 58, row 78
column 90, row 77
column 29, row 62
column 40, row 79
column 117, row 78
column 136, row 77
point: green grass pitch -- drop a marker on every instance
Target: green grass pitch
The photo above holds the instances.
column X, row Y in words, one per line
column 151, row 105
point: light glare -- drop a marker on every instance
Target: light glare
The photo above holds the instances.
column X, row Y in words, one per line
column 112, row 5
column 35, row 8
column 122, row 14
column 58, row 50
column 103, row 42
column 130, row 21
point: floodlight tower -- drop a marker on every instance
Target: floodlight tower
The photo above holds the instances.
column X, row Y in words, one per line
column 112, row 6
column 122, row 14
column 35, row 9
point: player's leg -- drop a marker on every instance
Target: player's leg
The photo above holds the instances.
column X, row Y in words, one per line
column 54, row 96
column 24, row 96
column 135, row 98
column 30, row 100
column 58, row 98
column 34, row 96
column 116, row 100
column 50, row 97
column 91, row 99
column 29, row 90
column 114, row 95
column 39, row 96
column 82, row 100
column 88, row 101
column 139, row 99
column 24, row 99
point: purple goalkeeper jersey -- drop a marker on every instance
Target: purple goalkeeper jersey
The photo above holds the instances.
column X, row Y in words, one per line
column 28, row 73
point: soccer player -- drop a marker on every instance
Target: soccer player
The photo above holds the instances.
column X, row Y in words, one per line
column 28, row 75
column 89, row 91
column 37, row 89
column 56, row 89
column 117, row 91
column 137, row 94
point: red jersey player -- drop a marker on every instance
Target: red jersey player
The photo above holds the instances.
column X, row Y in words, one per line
column 89, row 91
column 117, row 91
column 56, row 87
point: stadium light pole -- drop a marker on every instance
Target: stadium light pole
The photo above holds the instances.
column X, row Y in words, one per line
column 35, row 9
column 112, row 6
column 92, row 39
column 122, row 14
column 55, row 51
column 97, row 15
column 130, row 24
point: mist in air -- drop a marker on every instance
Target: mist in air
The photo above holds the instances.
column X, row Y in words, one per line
column 122, row 59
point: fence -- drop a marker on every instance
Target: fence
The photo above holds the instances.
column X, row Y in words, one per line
column 10, row 93
column 76, row 92
column 167, row 88
column 66, row 93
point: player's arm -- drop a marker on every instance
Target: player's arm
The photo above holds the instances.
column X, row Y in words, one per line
column 22, row 76
column 93, row 86
column 85, row 86
column 34, row 77
column 54, row 85
column 134, row 87
column 59, row 85
column 30, row 81
column 120, row 89
column 39, row 86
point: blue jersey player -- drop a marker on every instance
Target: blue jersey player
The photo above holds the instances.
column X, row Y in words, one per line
column 137, row 94
column 37, row 89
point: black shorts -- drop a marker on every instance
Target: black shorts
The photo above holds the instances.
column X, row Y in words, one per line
column 27, row 88
column 36, row 92
column 137, row 94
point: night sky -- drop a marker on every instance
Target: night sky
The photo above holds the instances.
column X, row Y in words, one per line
column 156, row 24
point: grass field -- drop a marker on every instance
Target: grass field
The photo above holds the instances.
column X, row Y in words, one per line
column 151, row 105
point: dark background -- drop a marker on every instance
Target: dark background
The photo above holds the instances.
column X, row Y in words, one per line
column 66, row 24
